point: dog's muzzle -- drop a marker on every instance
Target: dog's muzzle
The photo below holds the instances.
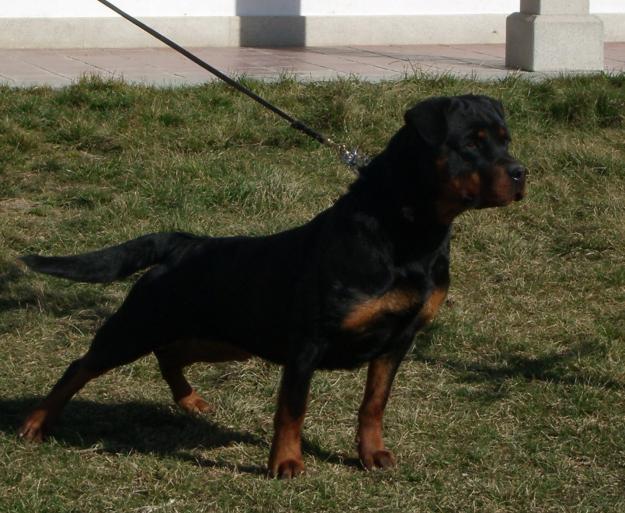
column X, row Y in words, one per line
column 517, row 173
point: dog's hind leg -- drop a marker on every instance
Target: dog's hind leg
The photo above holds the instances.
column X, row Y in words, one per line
column 173, row 358
column 117, row 342
column 39, row 420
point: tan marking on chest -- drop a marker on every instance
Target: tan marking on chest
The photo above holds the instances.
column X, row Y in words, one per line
column 432, row 305
column 369, row 310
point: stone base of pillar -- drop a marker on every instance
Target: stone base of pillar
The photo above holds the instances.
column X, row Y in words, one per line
column 536, row 42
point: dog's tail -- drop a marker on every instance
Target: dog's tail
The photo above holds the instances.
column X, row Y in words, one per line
column 115, row 262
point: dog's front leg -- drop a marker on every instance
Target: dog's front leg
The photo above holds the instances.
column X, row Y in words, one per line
column 285, row 459
column 371, row 450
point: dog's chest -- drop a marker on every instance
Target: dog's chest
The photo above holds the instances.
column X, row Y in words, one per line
column 371, row 326
column 413, row 299
column 396, row 306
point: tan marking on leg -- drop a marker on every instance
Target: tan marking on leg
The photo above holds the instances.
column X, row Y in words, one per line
column 43, row 416
column 195, row 403
column 285, row 458
column 184, row 395
column 173, row 357
column 373, row 454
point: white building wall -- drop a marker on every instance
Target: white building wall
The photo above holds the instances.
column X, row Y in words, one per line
column 605, row 6
column 87, row 23
column 170, row 8
column 92, row 8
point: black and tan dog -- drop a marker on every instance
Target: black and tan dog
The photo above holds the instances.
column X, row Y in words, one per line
column 350, row 287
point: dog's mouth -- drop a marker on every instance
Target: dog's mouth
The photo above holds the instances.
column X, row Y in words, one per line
column 496, row 198
column 498, row 188
column 506, row 187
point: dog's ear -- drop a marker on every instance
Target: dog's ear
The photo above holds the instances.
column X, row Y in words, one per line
column 429, row 119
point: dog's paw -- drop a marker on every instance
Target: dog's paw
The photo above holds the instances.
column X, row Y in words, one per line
column 33, row 429
column 194, row 403
column 287, row 469
column 377, row 459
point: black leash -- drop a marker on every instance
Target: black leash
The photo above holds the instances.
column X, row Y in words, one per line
column 351, row 158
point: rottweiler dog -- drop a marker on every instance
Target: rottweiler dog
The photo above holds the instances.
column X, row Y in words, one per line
column 350, row 287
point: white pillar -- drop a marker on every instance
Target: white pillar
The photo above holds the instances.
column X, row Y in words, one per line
column 554, row 35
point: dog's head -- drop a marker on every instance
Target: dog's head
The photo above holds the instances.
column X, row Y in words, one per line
column 465, row 142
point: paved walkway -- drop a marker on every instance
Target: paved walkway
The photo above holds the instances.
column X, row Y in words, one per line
column 164, row 67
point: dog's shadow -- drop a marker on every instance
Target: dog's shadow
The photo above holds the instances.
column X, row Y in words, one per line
column 148, row 428
column 553, row 367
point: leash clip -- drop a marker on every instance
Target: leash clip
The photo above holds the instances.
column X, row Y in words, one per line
column 352, row 158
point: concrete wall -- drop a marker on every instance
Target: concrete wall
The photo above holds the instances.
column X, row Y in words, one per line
column 87, row 23
column 171, row 8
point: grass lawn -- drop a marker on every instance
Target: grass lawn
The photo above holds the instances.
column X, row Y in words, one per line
column 512, row 401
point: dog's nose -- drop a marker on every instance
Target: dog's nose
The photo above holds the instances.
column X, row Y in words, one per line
column 516, row 172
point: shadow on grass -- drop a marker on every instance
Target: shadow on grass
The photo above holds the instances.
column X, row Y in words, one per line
column 553, row 368
column 310, row 448
column 316, row 450
column 147, row 428
column 132, row 427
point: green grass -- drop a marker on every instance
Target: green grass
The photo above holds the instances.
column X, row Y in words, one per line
column 513, row 401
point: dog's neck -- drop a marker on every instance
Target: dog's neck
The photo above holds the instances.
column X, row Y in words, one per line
column 402, row 213
column 395, row 187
